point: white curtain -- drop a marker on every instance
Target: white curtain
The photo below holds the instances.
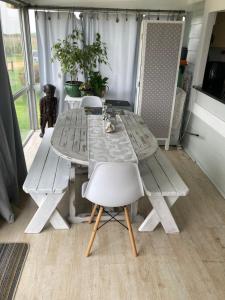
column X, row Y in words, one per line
column 121, row 39
column 120, row 32
column 52, row 26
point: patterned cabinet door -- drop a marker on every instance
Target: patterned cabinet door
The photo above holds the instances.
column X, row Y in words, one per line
column 160, row 61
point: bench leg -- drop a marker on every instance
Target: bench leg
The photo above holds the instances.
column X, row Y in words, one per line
column 47, row 211
column 134, row 210
column 72, row 194
column 160, row 214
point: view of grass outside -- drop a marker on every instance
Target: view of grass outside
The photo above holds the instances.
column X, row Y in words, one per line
column 22, row 111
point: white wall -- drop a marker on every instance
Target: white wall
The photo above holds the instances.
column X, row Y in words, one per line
column 195, row 33
column 129, row 4
column 208, row 115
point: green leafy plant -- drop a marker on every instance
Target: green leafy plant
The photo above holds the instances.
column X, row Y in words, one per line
column 94, row 55
column 69, row 53
column 74, row 55
column 98, row 83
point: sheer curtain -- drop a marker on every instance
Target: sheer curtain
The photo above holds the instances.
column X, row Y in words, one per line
column 52, row 26
column 120, row 32
column 12, row 162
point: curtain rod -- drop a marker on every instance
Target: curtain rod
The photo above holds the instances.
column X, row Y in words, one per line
column 17, row 3
column 100, row 9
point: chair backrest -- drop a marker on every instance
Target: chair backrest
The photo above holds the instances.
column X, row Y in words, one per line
column 114, row 184
column 91, row 101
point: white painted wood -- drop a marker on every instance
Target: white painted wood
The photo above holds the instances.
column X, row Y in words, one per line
column 164, row 214
column 48, row 173
column 56, row 219
column 43, row 214
column 153, row 219
column 72, row 102
column 149, row 182
column 163, row 186
column 171, row 173
column 214, row 122
column 160, row 177
column 62, row 176
column 72, row 195
column 47, row 181
column 70, row 137
column 32, row 180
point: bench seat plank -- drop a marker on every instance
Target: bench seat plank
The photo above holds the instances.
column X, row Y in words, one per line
column 33, row 177
column 157, row 171
column 172, row 174
column 47, row 177
column 62, row 177
column 49, row 173
column 162, row 180
column 148, row 179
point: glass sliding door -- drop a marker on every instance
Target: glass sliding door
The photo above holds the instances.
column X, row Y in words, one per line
column 15, row 59
column 35, row 59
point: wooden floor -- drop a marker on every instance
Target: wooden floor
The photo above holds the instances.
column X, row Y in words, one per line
column 189, row 265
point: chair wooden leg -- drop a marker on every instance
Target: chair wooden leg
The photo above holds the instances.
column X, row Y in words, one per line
column 92, row 213
column 131, row 235
column 94, row 232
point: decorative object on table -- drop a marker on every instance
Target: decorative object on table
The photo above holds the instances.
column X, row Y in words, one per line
column 98, row 84
column 85, row 89
column 48, row 108
column 75, row 56
column 107, row 112
column 12, row 259
column 110, row 127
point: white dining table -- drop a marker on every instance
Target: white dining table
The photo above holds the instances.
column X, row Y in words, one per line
column 81, row 138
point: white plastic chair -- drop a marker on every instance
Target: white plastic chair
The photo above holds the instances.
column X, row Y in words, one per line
column 91, row 101
column 116, row 184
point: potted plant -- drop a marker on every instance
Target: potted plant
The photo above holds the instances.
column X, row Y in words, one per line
column 69, row 53
column 74, row 56
column 98, row 84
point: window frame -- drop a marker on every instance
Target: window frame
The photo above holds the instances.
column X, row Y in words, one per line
column 29, row 88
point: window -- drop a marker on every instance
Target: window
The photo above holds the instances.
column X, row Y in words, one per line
column 22, row 111
column 13, row 47
column 15, row 60
column 214, row 77
column 35, row 59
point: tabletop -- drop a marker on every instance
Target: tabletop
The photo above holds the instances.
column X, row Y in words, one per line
column 80, row 138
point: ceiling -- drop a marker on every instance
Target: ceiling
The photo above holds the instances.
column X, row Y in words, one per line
column 127, row 4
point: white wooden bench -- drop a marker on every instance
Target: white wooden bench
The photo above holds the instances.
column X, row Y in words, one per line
column 163, row 186
column 47, row 182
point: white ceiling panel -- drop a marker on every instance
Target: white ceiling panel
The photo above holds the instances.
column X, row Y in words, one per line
column 135, row 4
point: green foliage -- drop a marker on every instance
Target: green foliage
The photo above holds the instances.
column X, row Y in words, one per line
column 98, row 83
column 12, row 44
column 93, row 55
column 74, row 55
column 69, row 53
